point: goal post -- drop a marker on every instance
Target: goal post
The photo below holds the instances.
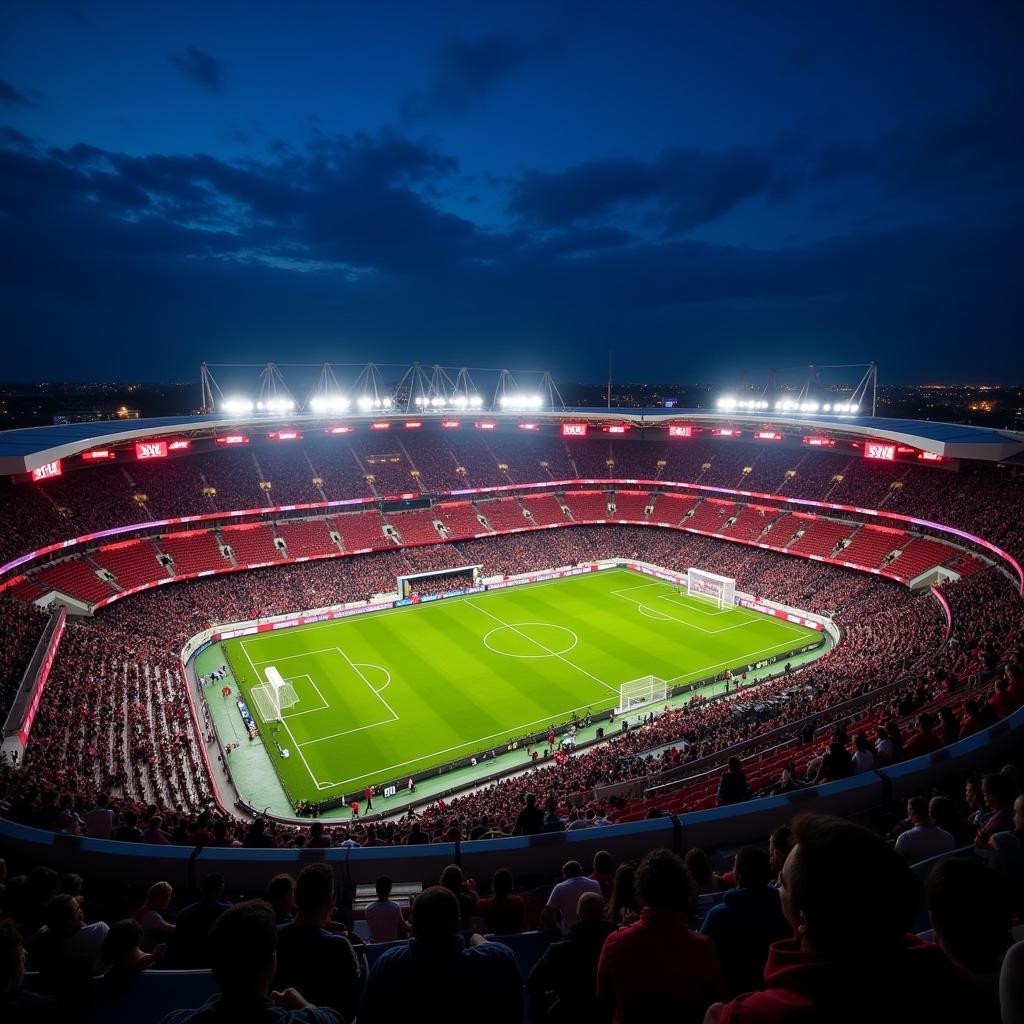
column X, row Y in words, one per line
column 274, row 696
column 462, row 577
column 711, row 587
column 638, row 693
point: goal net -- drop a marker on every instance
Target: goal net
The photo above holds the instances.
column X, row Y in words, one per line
column 711, row 587
column 639, row 692
column 274, row 696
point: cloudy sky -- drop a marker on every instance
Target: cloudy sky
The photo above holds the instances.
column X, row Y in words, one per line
column 701, row 189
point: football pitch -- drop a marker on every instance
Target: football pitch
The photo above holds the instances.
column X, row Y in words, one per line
column 390, row 693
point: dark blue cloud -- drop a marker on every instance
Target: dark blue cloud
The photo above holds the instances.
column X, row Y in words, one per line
column 467, row 71
column 337, row 244
column 15, row 97
column 684, row 186
column 200, row 68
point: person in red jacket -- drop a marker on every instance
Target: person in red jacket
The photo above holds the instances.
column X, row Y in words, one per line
column 850, row 900
column 657, row 969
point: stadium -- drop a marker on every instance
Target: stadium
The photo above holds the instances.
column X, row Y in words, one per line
column 374, row 634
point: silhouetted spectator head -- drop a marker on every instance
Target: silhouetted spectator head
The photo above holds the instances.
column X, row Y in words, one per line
column 435, row 916
column 590, row 908
column 844, row 890
column 502, row 884
column 314, row 890
column 71, row 884
column 998, row 791
column 623, row 899
column 943, row 813
column 753, row 869
column 383, row 887
column 281, row 896
column 63, row 915
column 603, row 863
column 243, row 948
column 121, row 942
column 664, row 883
column 159, row 896
column 452, row 879
column 213, row 887
column 780, row 842
column 917, row 810
column 699, row 866
column 572, row 869
column 970, row 911
column 12, row 958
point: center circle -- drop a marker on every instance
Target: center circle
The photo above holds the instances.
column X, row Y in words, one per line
column 531, row 640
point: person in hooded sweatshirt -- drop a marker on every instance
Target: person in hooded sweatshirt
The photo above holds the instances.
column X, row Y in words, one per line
column 850, row 900
column 747, row 921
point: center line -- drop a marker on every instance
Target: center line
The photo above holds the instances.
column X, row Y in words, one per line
column 526, row 636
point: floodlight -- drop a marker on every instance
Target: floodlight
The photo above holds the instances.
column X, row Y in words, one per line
column 460, row 401
column 386, row 403
column 237, row 406
column 476, row 401
column 365, row 402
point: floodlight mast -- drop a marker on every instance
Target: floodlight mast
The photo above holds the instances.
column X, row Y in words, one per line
column 505, row 388
column 208, row 384
column 274, row 394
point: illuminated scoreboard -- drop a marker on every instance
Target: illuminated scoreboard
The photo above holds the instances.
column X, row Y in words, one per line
column 47, row 471
column 877, row 450
column 151, row 450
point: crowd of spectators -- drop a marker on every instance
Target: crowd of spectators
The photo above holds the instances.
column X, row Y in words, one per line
column 784, row 933
column 977, row 497
column 113, row 719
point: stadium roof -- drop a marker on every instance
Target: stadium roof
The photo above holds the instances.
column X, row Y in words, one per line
column 24, row 450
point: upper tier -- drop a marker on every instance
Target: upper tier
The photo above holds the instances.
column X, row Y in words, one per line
column 981, row 498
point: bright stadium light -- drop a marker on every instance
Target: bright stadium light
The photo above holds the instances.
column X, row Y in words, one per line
column 727, row 402
column 437, row 402
column 277, row 405
column 520, row 402
column 329, row 403
column 460, row 401
column 365, row 402
column 237, row 406
column 386, row 403
column 475, row 402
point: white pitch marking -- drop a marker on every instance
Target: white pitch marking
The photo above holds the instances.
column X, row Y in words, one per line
column 376, row 693
column 561, row 657
column 546, row 654
column 379, row 668
column 316, row 781
column 514, row 730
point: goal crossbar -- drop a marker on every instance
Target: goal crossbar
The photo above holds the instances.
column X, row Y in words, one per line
column 274, row 696
column 640, row 692
column 711, row 587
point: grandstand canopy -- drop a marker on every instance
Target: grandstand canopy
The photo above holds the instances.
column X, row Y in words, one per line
column 21, row 451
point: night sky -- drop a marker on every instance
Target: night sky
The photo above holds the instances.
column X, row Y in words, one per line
column 703, row 189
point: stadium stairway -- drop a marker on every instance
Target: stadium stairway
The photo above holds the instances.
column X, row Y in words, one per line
column 820, row 537
column 870, row 545
column 631, row 506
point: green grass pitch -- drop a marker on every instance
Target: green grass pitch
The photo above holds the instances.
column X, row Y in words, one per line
column 389, row 693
